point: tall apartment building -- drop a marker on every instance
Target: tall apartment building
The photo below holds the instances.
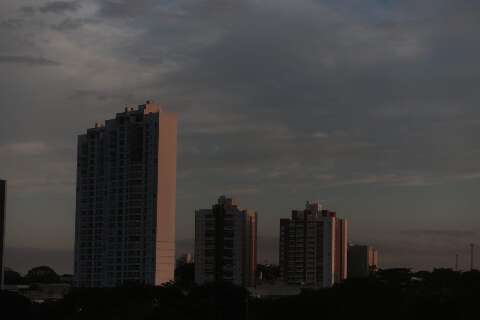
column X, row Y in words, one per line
column 362, row 260
column 313, row 247
column 126, row 197
column 341, row 250
column 3, row 206
column 226, row 244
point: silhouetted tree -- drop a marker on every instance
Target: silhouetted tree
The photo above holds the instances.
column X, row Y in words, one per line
column 392, row 294
column 14, row 306
column 12, row 277
column 42, row 274
column 184, row 276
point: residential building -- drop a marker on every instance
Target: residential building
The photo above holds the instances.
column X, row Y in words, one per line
column 226, row 244
column 313, row 247
column 126, row 197
column 362, row 261
column 341, row 249
column 184, row 259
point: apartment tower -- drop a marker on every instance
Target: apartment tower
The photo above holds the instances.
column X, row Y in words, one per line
column 225, row 244
column 126, row 193
column 362, row 261
column 313, row 250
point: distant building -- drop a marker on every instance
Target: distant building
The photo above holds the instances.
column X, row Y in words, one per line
column 275, row 290
column 184, row 259
column 3, row 206
column 226, row 244
column 313, row 247
column 362, row 260
column 126, row 197
column 41, row 292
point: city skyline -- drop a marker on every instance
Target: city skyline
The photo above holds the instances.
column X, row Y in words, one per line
column 371, row 109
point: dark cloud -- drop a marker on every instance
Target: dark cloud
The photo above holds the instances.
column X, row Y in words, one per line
column 125, row 8
column 70, row 24
column 29, row 10
column 11, row 24
column 27, row 60
column 99, row 95
column 59, row 7
column 441, row 233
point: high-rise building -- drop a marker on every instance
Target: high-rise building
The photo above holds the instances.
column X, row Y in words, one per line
column 341, row 249
column 126, row 197
column 362, row 261
column 225, row 244
column 3, row 206
column 313, row 247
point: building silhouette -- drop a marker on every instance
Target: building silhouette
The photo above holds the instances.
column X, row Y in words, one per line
column 313, row 247
column 3, row 209
column 225, row 244
column 362, row 260
column 125, row 207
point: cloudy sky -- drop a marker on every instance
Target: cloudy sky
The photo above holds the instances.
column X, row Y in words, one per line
column 371, row 107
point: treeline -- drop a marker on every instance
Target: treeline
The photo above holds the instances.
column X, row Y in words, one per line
column 41, row 274
column 389, row 294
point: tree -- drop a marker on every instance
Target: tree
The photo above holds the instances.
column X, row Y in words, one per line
column 12, row 277
column 184, row 276
column 42, row 274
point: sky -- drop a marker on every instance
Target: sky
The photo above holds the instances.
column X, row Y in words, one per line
column 370, row 107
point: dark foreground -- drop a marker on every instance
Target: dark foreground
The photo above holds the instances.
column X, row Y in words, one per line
column 391, row 294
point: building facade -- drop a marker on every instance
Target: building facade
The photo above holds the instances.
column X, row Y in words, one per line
column 341, row 249
column 3, row 209
column 362, row 261
column 226, row 244
column 126, row 198
column 313, row 249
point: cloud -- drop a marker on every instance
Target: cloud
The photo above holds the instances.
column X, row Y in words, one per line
column 59, row 7
column 320, row 135
column 33, row 148
column 299, row 99
column 70, row 24
column 11, row 24
column 439, row 233
column 125, row 8
column 29, row 10
column 388, row 179
column 27, row 60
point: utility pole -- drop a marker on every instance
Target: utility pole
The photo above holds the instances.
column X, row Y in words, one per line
column 456, row 262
